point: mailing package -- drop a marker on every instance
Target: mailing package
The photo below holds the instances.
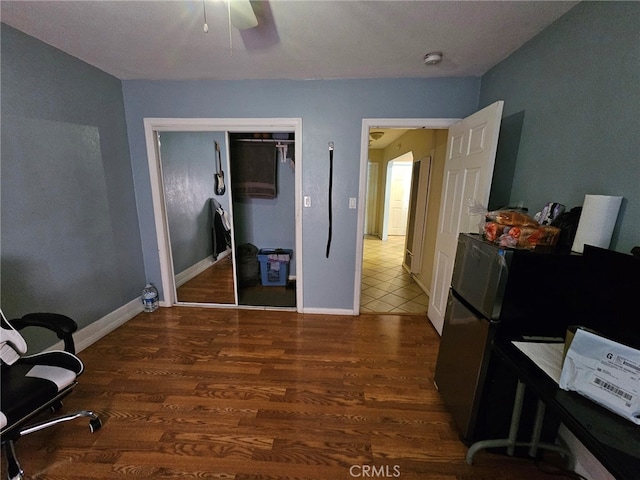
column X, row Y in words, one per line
column 604, row 371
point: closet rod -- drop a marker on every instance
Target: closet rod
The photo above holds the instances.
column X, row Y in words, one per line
column 262, row 140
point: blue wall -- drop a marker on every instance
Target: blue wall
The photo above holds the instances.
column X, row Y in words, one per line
column 331, row 110
column 70, row 235
column 576, row 89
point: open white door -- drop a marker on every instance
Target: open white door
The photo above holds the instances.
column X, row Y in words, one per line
column 399, row 197
column 417, row 220
column 471, row 153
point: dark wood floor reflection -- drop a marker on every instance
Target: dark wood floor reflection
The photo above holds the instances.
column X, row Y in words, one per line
column 214, row 285
column 190, row 393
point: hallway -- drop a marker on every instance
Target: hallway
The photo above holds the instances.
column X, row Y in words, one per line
column 386, row 285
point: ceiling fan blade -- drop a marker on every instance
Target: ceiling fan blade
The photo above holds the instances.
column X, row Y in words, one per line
column 265, row 34
column 242, row 14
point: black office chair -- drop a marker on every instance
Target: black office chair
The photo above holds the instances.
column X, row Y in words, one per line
column 36, row 383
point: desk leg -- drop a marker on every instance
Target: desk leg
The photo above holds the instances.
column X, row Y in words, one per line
column 515, row 418
column 535, row 439
column 537, row 429
column 510, row 442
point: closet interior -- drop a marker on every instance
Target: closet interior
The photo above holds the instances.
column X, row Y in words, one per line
column 230, row 206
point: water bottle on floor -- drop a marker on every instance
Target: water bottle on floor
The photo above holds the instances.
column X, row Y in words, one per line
column 150, row 298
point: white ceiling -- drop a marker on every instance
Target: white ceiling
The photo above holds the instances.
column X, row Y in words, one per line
column 295, row 39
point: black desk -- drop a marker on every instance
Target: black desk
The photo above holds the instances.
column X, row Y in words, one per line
column 613, row 440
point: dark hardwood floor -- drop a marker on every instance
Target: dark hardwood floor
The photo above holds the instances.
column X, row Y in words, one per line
column 205, row 393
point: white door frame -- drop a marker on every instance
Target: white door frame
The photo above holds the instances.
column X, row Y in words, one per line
column 152, row 125
column 367, row 124
column 371, row 210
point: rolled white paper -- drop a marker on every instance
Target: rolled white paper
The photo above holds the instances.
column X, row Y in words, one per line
column 598, row 217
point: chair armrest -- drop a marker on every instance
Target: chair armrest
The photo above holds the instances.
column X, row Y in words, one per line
column 62, row 325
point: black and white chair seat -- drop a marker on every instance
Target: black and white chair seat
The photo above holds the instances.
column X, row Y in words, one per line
column 36, row 383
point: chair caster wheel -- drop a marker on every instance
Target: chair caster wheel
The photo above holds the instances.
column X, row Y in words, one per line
column 95, row 424
column 54, row 407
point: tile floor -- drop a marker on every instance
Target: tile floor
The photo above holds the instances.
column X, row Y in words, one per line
column 386, row 285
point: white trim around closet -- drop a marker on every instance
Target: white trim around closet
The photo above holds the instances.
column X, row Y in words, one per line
column 235, row 125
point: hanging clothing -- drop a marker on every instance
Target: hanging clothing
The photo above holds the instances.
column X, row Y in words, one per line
column 253, row 169
column 221, row 228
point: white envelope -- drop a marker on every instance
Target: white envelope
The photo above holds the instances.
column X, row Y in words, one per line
column 604, row 371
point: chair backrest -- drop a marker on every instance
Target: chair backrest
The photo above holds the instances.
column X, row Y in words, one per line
column 12, row 345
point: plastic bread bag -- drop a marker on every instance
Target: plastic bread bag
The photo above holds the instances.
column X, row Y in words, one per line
column 605, row 372
column 511, row 217
column 492, row 231
column 507, row 241
column 521, row 236
column 531, row 237
column 475, row 208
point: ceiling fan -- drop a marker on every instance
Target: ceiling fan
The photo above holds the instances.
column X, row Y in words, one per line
column 242, row 15
column 254, row 20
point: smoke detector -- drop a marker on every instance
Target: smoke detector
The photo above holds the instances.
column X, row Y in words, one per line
column 432, row 58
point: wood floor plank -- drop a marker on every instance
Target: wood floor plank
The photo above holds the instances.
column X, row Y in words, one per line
column 201, row 393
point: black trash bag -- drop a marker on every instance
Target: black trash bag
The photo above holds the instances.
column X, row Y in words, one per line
column 248, row 267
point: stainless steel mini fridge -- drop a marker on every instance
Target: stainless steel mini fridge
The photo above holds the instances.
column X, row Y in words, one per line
column 497, row 291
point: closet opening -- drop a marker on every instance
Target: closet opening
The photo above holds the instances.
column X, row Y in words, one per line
column 262, row 172
column 193, row 179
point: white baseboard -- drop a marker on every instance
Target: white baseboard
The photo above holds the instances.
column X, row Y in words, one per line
column 194, row 270
column 186, row 275
column 93, row 332
column 421, row 285
column 328, row 311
